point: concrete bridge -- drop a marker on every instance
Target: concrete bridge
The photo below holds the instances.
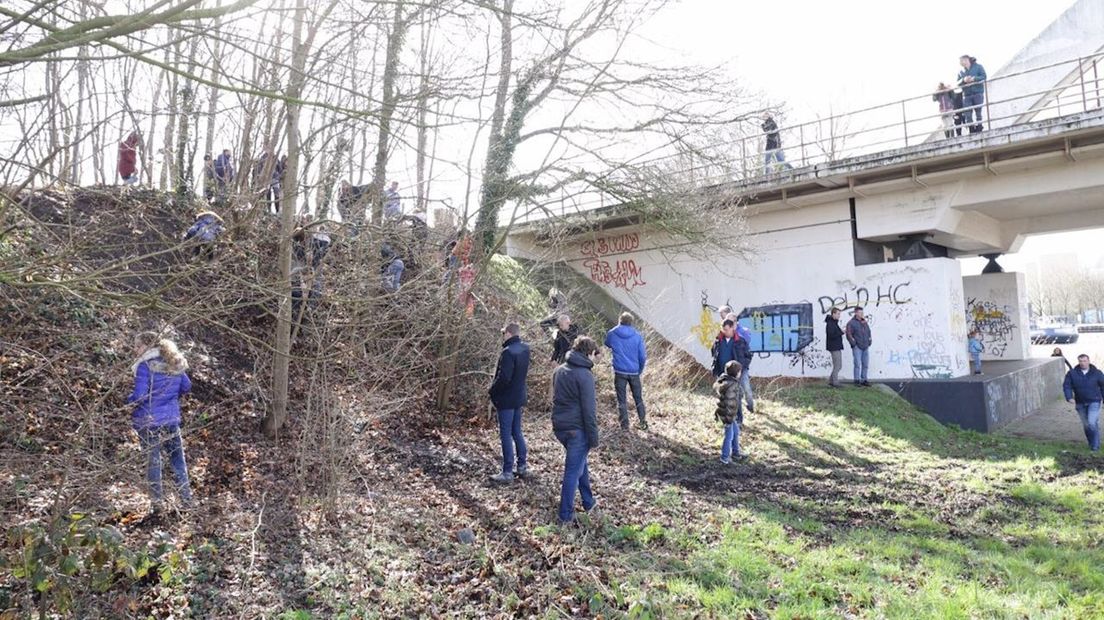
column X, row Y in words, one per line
column 876, row 228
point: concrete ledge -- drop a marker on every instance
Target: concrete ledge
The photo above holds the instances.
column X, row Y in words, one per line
column 1007, row 392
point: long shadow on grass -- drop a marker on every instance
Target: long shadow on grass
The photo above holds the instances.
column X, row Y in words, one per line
column 902, row 421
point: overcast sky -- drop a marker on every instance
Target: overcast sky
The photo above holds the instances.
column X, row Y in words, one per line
column 812, row 56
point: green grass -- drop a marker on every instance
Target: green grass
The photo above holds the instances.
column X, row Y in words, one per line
column 892, row 515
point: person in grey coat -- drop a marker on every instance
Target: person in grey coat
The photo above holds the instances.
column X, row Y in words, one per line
column 858, row 336
column 575, row 423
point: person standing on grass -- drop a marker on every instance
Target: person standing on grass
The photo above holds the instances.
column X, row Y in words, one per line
column 730, row 411
column 974, row 346
column 575, row 424
column 508, row 394
column 833, row 339
column 1084, row 386
column 724, row 348
column 160, row 379
column 858, row 336
column 629, row 358
column 565, row 335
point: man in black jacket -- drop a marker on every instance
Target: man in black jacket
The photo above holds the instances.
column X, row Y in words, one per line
column 575, row 423
column 563, row 337
column 833, row 338
column 508, row 393
column 1084, row 386
column 773, row 150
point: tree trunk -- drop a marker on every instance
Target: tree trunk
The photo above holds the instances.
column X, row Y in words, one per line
column 498, row 158
column 387, row 110
column 277, row 416
column 423, row 114
column 212, row 101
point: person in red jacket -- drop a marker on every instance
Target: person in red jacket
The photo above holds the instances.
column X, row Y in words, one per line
column 128, row 158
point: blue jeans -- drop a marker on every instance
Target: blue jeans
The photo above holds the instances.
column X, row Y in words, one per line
column 509, row 432
column 977, row 361
column 731, row 444
column 971, row 110
column 576, row 474
column 1090, row 421
column 776, row 155
column 862, row 363
column 620, row 381
column 156, row 439
column 745, row 385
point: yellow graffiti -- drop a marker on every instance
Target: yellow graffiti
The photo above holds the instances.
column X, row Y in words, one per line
column 706, row 330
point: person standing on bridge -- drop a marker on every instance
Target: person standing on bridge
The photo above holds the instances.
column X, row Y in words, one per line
column 773, row 150
column 944, row 96
column 972, row 80
column 833, row 338
column 508, row 394
column 629, row 358
column 1084, row 386
column 858, row 336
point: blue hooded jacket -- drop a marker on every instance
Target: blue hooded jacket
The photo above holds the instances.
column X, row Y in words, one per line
column 208, row 226
column 157, row 392
column 508, row 390
column 627, row 346
column 977, row 72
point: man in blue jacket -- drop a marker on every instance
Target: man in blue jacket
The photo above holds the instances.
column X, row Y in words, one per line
column 971, row 79
column 508, row 394
column 629, row 359
column 1084, row 386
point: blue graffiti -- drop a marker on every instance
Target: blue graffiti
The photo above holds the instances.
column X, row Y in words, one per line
column 782, row 328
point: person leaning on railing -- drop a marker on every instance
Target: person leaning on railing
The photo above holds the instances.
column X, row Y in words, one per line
column 971, row 79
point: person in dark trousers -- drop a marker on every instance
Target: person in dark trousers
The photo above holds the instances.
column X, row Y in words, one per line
column 629, row 358
column 160, row 379
column 508, row 394
column 575, row 424
column 972, row 80
column 773, row 149
column 205, row 231
column 1058, row 353
column 565, row 335
column 128, row 158
column 1084, row 386
column 833, row 341
column 730, row 411
column 224, row 171
column 724, row 348
column 858, row 336
column 960, row 114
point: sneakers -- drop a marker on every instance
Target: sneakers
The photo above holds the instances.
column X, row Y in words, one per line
column 624, row 426
column 502, row 477
column 725, row 461
column 865, row 384
column 741, row 457
column 522, row 471
column 642, row 425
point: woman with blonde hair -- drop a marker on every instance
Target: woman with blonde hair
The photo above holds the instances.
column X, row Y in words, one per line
column 160, row 379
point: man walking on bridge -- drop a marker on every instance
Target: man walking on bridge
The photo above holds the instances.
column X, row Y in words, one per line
column 971, row 79
column 773, row 150
column 858, row 336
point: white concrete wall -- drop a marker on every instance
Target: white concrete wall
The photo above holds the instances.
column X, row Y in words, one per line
column 996, row 305
column 1078, row 32
column 803, row 264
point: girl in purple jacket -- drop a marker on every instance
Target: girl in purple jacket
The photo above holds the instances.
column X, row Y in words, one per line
column 160, row 379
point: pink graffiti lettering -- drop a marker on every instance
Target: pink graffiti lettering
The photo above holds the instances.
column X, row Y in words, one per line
column 624, row 274
column 603, row 246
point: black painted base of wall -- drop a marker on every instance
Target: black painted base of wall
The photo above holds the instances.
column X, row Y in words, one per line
column 1006, row 392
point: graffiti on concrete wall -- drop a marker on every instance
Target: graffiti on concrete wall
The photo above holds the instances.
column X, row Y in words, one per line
column 604, row 259
column 994, row 322
column 779, row 328
column 874, row 296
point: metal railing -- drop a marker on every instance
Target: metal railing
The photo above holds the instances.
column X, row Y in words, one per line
column 1012, row 100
